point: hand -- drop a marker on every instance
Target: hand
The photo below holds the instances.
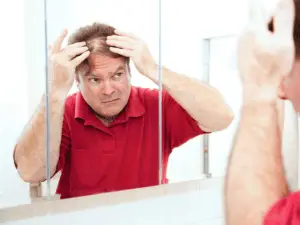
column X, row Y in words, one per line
column 129, row 45
column 63, row 62
column 264, row 57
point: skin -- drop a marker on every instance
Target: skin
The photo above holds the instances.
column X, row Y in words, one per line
column 30, row 154
column 106, row 88
column 109, row 80
column 255, row 178
column 203, row 102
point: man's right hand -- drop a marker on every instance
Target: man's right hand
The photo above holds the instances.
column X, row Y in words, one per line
column 63, row 62
column 264, row 57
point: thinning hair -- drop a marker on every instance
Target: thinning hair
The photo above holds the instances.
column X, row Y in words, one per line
column 95, row 36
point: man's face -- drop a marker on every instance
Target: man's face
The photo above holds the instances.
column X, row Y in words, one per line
column 106, row 88
column 290, row 86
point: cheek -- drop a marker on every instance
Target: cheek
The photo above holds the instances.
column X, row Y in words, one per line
column 122, row 85
column 88, row 89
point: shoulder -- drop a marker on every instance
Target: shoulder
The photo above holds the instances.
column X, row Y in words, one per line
column 145, row 92
column 149, row 95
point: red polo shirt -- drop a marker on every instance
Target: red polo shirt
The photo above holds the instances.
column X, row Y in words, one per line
column 95, row 158
column 285, row 212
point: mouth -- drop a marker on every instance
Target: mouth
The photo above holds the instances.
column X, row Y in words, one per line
column 110, row 101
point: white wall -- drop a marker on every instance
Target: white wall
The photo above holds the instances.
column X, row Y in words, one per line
column 13, row 99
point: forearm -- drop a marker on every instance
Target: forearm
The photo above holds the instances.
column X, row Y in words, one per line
column 30, row 150
column 203, row 102
column 255, row 178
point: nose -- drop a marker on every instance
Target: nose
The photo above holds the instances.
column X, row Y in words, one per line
column 108, row 89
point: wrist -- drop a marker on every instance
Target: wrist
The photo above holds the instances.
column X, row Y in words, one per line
column 58, row 94
column 253, row 95
column 153, row 72
column 260, row 108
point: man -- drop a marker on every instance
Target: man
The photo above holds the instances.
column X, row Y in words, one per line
column 105, row 137
column 256, row 189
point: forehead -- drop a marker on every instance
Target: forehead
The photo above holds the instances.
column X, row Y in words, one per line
column 102, row 63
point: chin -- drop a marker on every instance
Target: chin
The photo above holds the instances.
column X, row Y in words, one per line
column 112, row 112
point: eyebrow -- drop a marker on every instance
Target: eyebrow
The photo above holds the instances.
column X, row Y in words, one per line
column 121, row 67
column 90, row 74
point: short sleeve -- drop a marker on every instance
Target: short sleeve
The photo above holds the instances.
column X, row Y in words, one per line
column 285, row 212
column 180, row 126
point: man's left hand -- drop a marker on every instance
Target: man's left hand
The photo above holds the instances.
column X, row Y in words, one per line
column 129, row 45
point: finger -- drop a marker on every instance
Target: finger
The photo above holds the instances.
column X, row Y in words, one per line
column 80, row 58
column 258, row 16
column 77, row 44
column 120, row 44
column 119, row 38
column 123, row 52
column 284, row 19
column 76, row 51
column 57, row 44
column 258, row 29
column 126, row 34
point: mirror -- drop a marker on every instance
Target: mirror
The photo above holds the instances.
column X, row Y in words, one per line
column 222, row 60
column 184, row 155
column 109, row 139
column 188, row 51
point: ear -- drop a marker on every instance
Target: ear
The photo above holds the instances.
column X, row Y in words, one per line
column 282, row 90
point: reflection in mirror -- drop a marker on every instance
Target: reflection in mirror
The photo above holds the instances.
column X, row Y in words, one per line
column 21, row 91
column 103, row 97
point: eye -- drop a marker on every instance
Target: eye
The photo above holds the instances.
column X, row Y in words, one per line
column 117, row 75
column 94, row 80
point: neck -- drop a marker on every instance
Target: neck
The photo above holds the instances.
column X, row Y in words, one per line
column 106, row 118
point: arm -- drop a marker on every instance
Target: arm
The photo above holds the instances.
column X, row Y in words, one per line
column 30, row 152
column 203, row 103
column 255, row 177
